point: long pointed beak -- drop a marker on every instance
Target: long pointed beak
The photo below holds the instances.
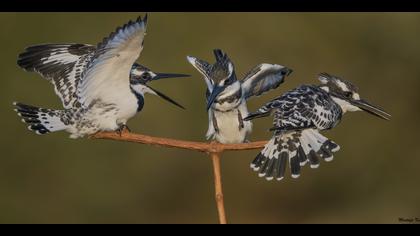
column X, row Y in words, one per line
column 166, row 97
column 372, row 109
column 216, row 91
column 168, row 75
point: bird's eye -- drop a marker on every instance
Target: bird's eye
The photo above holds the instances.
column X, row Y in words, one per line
column 348, row 94
column 145, row 76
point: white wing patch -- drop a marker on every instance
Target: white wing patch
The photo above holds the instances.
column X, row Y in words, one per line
column 107, row 76
column 263, row 78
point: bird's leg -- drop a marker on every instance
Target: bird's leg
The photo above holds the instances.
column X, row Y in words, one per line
column 241, row 121
column 216, row 127
column 123, row 128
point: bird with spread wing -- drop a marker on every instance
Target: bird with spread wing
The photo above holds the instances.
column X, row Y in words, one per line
column 101, row 87
column 227, row 96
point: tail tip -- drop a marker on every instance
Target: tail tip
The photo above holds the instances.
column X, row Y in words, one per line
column 329, row 159
column 269, row 178
column 295, row 176
column 314, row 166
column 254, row 167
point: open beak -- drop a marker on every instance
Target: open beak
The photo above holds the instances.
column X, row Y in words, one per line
column 216, row 91
column 166, row 97
column 168, row 75
column 374, row 110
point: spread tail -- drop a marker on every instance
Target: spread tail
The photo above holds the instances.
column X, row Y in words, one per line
column 41, row 120
column 295, row 147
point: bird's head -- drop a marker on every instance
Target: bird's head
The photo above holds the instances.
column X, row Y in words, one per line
column 347, row 96
column 221, row 74
column 140, row 76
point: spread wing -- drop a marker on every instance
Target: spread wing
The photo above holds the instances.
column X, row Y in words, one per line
column 262, row 78
column 302, row 108
column 61, row 64
column 306, row 107
column 109, row 70
column 204, row 68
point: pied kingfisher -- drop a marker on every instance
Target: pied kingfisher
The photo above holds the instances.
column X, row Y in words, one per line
column 227, row 96
column 299, row 115
column 101, row 87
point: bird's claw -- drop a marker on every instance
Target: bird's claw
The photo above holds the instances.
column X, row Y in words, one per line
column 123, row 129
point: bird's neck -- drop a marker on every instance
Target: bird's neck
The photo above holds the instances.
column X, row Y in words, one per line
column 138, row 90
column 230, row 99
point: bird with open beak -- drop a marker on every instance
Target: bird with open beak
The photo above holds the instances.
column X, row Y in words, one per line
column 101, row 87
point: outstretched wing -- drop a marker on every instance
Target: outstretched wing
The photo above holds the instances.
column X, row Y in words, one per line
column 109, row 70
column 305, row 107
column 61, row 64
column 204, row 68
column 301, row 108
column 263, row 78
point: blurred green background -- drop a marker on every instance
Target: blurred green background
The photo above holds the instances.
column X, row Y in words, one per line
column 373, row 179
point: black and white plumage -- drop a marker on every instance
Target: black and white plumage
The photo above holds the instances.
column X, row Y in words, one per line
column 299, row 115
column 101, row 87
column 227, row 96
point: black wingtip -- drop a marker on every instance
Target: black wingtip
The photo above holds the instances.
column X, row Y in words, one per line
column 144, row 20
column 219, row 54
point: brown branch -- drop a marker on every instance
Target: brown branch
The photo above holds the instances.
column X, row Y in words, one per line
column 214, row 150
column 215, row 157
column 174, row 143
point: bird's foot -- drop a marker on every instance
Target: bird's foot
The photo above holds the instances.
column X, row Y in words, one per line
column 123, row 129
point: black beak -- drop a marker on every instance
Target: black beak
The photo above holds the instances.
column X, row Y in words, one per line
column 166, row 97
column 216, row 91
column 374, row 110
column 168, row 75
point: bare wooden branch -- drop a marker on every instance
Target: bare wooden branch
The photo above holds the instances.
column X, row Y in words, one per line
column 213, row 149
column 215, row 157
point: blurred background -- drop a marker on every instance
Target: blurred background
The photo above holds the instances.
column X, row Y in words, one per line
column 374, row 178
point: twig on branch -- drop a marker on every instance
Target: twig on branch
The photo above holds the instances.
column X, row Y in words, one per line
column 213, row 149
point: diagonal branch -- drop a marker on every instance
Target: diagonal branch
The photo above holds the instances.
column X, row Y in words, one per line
column 213, row 149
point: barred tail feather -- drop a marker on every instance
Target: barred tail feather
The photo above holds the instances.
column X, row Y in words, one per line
column 40, row 120
column 295, row 147
column 271, row 162
column 316, row 146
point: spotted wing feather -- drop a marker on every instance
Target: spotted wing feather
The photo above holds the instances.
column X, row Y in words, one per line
column 304, row 107
column 61, row 64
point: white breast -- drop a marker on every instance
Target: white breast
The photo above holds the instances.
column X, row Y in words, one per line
column 229, row 125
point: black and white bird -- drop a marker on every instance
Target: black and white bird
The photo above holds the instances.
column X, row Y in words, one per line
column 299, row 115
column 227, row 96
column 101, row 87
